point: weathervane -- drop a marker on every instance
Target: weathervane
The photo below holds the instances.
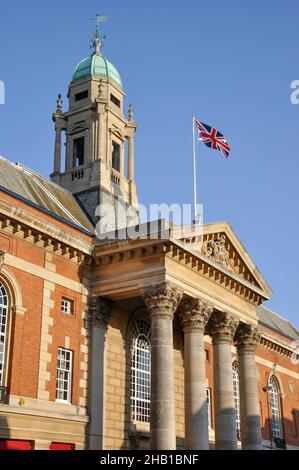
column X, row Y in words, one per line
column 98, row 39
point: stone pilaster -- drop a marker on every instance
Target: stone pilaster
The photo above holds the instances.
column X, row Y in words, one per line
column 46, row 338
column 222, row 327
column 248, row 338
column 2, row 259
column 161, row 301
column 57, row 153
column 99, row 314
column 194, row 315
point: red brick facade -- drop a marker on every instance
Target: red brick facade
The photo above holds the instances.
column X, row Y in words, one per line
column 45, row 271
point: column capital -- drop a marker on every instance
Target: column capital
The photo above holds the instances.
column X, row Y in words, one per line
column 248, row 338
column 195, row 313
column 162, row 299
column 222, row 327
column 100, row 311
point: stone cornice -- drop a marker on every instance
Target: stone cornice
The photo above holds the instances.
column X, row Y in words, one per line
column 276, row 344
column 23, row 224
column 216, row 272
column 125, row 251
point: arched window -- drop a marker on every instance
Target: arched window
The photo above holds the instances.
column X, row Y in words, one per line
column 236, row 386
column 274, row 394
column 140, row 372
column 3, row 329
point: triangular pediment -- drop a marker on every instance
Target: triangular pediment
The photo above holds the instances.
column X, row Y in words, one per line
column 78, row 127
column 220, row 245
column 117, row 132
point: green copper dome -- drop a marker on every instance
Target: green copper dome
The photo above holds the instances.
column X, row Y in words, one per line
column 97, row 66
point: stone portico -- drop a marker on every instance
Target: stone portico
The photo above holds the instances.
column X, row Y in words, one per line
column 183, row 281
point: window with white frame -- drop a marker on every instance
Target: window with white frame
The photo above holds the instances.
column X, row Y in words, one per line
column 236, row 387
column 274, row 393
column 3, row 329
column 64, row 375
column 140, row 372
column 66, row 306
column 209, row 407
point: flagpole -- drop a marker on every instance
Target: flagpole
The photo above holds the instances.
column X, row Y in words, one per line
column 194, row 172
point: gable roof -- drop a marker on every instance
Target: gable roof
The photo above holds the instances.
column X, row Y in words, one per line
column 22, row 182
column 220, row 244
column 277, row 323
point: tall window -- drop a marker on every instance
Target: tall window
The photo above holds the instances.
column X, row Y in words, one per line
column 64, row 375
column 3, row 329
column 274, row 393
column 115, row 156
column 209, row 407
column 78, row 151
column 236, row 386
column 140, row 372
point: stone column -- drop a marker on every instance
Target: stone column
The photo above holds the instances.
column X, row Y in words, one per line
column 99, row 312
column 57, row 151
column 222, row 327
column 248, row 338
column 161, row 301
column 194, row 315
column 131, row 158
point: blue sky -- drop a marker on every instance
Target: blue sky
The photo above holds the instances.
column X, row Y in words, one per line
column 230, row 63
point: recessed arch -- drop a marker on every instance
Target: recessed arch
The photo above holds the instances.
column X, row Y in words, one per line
column 11, row 303
column 13, row 289
column 278, row 379
column 275, row 407
column 140, row 369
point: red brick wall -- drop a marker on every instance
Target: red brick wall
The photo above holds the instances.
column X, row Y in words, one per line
column 66, row 325
column 25, row 331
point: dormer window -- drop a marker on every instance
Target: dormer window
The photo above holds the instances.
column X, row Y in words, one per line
column 115, row 156
column 78, row 152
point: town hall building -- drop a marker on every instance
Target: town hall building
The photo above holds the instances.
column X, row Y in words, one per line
column 139, row 343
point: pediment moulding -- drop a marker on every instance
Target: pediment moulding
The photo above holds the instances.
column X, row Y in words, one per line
column 218, row 248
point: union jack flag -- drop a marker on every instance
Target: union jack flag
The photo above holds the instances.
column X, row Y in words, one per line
column 212, row 138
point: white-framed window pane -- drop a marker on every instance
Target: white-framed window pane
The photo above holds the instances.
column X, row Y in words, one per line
column 64, row 375
column 209, row 407
column 274, row 393
column 66, row 306
column 3, row 329
column 140, row 372
column 236, row 388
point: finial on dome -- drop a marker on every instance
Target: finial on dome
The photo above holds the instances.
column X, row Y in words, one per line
column 98, row 39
